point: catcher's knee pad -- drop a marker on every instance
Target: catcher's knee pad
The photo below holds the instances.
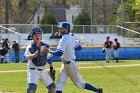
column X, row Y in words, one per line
column 31, row 88
column 51, row 88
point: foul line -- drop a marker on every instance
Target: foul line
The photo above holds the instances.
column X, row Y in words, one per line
column 130, row 65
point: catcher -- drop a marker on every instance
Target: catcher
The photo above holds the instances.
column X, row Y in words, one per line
column 37, row 58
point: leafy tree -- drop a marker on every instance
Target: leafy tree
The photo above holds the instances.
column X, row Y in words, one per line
column 136, row 7
column 128, row 11
column 83, row 18
column 48, row 18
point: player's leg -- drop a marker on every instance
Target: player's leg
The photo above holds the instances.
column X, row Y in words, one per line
column 110, row 56
column 52, row 88
column 62, row 79
column 31, row 88
column 116, row 55
column 48, row 82
column 33, row 77
column 77, row 78
column 107, row 55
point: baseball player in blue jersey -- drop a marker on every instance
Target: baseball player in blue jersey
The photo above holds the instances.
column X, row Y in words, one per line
column 66, row 49
column 37, row 63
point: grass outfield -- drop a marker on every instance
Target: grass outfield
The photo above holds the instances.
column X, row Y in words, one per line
column 112, row 80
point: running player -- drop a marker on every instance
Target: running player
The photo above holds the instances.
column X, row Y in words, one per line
column 66, row 49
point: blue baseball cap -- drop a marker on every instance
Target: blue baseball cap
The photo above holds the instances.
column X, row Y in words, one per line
column 36, row 30
column 65, row 25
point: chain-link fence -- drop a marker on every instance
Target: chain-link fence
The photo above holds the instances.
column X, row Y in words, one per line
column 89, row 35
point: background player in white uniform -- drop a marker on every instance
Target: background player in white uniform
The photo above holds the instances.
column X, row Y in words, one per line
column 66, row 49
column 37, row 64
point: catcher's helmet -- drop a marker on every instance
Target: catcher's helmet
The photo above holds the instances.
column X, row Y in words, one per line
column 36, row 30
column 65, row 25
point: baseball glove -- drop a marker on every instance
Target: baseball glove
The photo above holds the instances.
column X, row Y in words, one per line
column 115, row 48
column 52, row 73
column 43, row 50
column 103, row 50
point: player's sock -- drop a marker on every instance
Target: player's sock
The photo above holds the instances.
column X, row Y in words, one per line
column 117, row 60
column 90, row 87
column 58, row 91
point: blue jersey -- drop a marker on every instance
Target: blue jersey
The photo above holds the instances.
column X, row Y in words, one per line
column 41, row 60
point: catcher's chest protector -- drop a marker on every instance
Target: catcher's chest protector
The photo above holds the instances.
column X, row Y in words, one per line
column 40, row 60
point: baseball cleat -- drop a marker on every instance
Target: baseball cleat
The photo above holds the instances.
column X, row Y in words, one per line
column 100, row 90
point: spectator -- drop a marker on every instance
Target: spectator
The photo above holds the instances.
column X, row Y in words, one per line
column 15, row 46
column 3, row 52
column 52, row 36
column 30, row 36
column 5, row 47
column 116, row 47
column 108, row 46
column 57, row 35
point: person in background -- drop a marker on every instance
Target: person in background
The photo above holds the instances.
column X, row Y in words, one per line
column 5, row 47
column 116, row 47
column 15, row 46
column 108, row 45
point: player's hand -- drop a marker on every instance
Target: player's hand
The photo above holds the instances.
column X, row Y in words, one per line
column 36, row 54
column 62, row 58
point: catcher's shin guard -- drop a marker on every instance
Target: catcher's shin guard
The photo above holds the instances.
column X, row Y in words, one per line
column 31, row 88
column 52, row 88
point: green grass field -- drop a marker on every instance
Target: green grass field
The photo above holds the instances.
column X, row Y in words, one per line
column 112, row 80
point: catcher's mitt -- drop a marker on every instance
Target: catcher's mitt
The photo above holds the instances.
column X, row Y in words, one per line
column 103, row 50
column 43, row 50
column 52, row 73
column 115, row 47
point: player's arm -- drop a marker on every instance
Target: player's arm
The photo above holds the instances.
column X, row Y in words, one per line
column 56, row 53
column 29, row 56
column 78, row 46
column 105, row 45
column 60, row 49
column 49, row 61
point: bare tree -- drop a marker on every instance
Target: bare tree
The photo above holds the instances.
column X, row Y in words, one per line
column 22, row 11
